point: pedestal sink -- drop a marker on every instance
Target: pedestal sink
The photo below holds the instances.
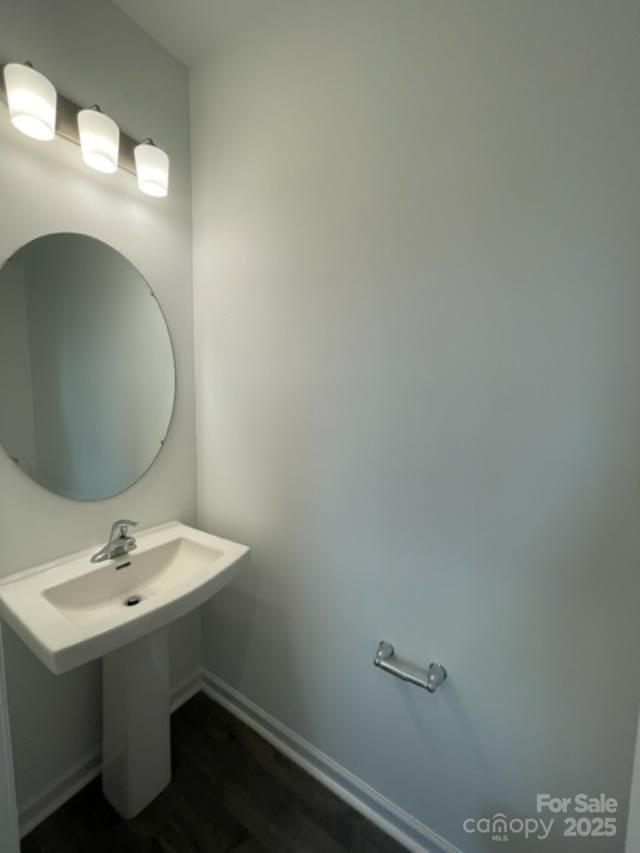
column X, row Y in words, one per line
column 70, row 612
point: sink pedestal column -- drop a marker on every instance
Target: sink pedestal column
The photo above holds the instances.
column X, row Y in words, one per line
column 136, row 740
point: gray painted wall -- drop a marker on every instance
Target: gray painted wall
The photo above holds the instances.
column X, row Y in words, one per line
column 94, row 54
column 9, row 840
column 417, row 305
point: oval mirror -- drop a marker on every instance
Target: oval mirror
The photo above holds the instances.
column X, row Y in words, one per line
column 87, row 376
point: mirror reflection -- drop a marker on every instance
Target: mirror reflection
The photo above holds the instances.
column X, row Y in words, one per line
column 87, row 376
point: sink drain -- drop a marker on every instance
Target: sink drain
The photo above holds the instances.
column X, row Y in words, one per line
column 133, row 600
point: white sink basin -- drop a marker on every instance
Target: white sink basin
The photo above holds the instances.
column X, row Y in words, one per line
column 72, row 611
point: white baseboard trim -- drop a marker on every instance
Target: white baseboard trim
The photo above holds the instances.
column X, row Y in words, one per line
column 43, row 804
column 186, row 690
column 414, row 835
column 39, row 807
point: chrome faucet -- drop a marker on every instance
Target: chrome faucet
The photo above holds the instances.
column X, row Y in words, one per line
column 119, row 542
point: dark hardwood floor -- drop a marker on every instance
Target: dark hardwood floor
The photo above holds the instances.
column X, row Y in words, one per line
column 231, row 791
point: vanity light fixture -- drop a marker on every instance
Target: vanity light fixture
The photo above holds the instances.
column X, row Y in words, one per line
column 32, row 101
column 152, row 169
column 99, row 140
column 37, row 110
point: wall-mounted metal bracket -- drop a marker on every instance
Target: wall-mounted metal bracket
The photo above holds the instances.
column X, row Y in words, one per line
column 429, row 679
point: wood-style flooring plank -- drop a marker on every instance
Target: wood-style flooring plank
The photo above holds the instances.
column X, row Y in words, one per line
column 231, row 792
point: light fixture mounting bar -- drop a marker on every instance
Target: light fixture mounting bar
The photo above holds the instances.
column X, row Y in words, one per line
column 67, row 127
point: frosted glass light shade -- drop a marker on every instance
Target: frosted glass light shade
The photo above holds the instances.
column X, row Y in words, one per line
column 32, row 101
column 99, row 140
column 152, row 169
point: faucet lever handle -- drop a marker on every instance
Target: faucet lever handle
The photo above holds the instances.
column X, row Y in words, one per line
column 122, row 525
